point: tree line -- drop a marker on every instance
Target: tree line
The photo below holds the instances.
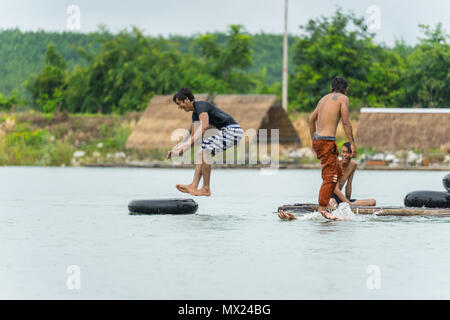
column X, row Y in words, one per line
column 106, row 72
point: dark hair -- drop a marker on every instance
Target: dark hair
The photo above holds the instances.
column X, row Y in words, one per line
column 347, row 145
column 339, row 84
column 182, row 94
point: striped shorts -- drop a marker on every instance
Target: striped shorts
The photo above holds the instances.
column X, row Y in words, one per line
column 227, row 137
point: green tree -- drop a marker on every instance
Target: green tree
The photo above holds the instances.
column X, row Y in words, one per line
column 428, row 70
column 7, row 102
column 228, row 62
column 340, row 46
column 343, row 46
column 128, row 70
column 47, row 89
column 385, row 80
column 22, row 56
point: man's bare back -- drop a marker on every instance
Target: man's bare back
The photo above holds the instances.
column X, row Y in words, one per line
column 325, row 118
column 329, row 113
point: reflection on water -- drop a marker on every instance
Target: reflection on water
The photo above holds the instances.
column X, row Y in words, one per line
column 232, row 248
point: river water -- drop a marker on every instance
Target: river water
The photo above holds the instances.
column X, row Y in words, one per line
column 65, row 233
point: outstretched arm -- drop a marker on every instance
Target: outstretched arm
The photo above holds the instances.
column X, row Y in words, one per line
column 348, row 187
column 340, row 195
column 204, row 120
column 345, row 116
column 196, row 133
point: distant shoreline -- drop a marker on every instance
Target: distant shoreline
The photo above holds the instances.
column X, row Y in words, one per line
column 282, row 166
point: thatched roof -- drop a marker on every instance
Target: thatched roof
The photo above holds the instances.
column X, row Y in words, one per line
column 155, row 127
column 403, row 129
column 162, row 117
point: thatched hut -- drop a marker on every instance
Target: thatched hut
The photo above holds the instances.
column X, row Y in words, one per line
column 162, row 117
column 394, row 129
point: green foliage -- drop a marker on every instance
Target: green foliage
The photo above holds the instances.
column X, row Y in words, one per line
column 22, row 55
column 7, row 102
column 116, row 137
column 128, row 71
column 55, row 154
column 267, row 51
column 130, row 68
column 262, row 85
column 26, row 143
column 227, row 63
column 47, row 90
column 28, row 146
column 342, row 46
column 384, row 81
column 427, row 74
column 22, row 135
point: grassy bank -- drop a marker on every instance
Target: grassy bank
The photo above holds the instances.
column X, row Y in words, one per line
column 62, row 140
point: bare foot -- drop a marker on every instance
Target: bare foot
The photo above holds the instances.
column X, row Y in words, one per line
column 286, row 215
column 200, row 192
column 329, row 216
column 185, row 188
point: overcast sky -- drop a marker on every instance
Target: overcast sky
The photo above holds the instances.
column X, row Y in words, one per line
column 398, row 18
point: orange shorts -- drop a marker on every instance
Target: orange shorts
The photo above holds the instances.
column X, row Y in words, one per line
column 327, row 152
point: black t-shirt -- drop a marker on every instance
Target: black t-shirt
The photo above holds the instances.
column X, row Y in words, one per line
column 217, row 117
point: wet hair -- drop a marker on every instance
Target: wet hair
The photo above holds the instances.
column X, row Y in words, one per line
column 347, row 145
column 182, row 94
column 339, row 84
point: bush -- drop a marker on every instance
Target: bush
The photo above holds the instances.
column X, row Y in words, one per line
column 25, row 146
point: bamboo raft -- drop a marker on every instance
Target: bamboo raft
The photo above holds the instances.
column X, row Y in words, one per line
column 379, row 211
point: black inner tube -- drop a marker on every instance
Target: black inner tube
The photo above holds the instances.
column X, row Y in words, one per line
column 446, row 182
column 428, row 199
column 163, row 206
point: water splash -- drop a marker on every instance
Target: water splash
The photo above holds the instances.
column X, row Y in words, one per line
column 343, row 211
column 310, row 216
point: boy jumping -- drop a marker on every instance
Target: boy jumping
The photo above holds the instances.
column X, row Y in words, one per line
column 229, row 135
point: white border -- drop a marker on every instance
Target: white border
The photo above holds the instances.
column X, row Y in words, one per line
column 404, row 110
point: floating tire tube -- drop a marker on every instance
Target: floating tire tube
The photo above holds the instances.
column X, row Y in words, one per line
column 446, row 182
column 428, row 199
column 163, row 206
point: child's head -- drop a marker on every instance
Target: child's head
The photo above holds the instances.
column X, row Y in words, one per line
column 184, row 99
column 346, row 152
column 182, row 94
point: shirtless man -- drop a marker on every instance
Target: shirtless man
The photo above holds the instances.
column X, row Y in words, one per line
column 322, row 126
column 348, row 171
